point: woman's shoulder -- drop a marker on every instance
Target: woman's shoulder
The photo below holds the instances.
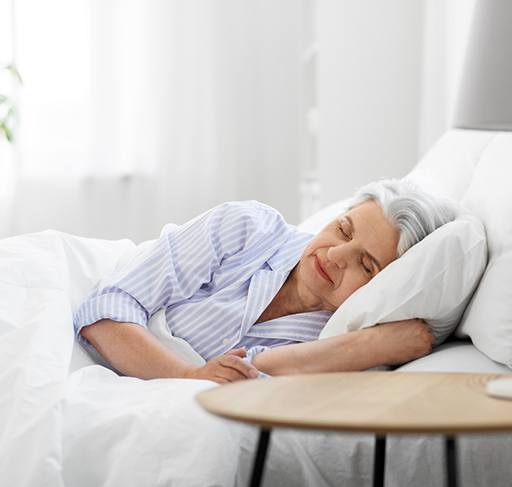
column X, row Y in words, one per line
column 254, row 213
column 256, row 222
column 251, row 207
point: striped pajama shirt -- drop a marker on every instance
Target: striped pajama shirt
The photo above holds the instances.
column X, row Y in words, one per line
column 214, row 276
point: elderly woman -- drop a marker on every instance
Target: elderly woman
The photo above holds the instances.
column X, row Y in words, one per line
column 250, row 292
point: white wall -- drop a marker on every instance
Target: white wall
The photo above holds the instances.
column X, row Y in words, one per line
column 368, row 91
column 446, row 30
column 387, row 85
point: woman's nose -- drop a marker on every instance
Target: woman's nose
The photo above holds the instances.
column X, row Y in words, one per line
column 337, row 257
column 342, row 254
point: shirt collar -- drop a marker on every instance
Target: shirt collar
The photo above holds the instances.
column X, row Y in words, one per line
column 266, row 282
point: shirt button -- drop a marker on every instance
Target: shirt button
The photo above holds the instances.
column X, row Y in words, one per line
column 225, row 341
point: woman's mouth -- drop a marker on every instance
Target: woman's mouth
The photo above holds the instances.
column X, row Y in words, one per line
column 321, row 270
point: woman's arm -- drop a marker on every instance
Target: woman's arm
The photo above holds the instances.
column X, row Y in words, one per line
column 387, row 344
column 134, row 351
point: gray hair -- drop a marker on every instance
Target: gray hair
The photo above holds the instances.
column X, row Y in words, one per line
column 414, row 212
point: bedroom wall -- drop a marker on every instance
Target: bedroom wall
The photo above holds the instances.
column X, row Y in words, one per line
column 445, row 34
column 388, row 74
column 370, row 56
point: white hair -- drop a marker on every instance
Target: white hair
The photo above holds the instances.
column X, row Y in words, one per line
column 414, row 212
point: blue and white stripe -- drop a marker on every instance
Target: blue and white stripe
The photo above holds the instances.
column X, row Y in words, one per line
column 214, row 275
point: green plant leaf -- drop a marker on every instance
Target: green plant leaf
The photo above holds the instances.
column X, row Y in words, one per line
column 14, row 71
column 8, row 122
column 7, row 132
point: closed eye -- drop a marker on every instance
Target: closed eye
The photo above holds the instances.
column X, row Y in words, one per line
column 366, row 269
column 343, row 232
column 370, row 256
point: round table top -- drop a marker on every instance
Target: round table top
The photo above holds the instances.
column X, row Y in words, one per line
column 376, row 402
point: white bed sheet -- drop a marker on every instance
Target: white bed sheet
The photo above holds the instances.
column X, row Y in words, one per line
column 321, row 459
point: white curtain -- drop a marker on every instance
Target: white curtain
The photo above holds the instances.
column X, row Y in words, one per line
column 137, row 113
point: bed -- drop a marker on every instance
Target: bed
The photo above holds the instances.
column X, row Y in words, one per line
column 69, row 420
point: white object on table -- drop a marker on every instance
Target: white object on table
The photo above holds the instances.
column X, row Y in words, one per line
column 501, row 388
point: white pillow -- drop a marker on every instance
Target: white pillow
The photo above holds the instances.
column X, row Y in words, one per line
column 488, row 319
column 433, row 280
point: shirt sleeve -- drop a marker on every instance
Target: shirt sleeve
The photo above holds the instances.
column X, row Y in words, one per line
column 249, row 357
column 177, row 264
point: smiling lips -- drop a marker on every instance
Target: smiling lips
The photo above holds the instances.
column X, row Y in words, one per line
column 321, row 270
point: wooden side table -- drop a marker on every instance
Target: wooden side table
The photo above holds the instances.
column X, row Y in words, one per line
column 366, row 402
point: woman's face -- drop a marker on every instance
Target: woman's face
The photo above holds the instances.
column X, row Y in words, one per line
column 345, row 255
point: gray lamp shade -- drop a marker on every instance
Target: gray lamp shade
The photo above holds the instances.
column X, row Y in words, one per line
column 485, row 91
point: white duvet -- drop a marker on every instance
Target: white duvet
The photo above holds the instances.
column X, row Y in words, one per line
column 89, row 427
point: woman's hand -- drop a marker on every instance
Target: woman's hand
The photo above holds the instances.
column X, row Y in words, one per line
column 225, row 368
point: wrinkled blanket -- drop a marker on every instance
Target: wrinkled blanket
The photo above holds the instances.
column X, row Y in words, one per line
column 89, row 426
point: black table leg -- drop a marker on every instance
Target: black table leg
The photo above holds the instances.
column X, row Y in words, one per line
column 451, row 461
column 259, row 459
column 379, row 461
